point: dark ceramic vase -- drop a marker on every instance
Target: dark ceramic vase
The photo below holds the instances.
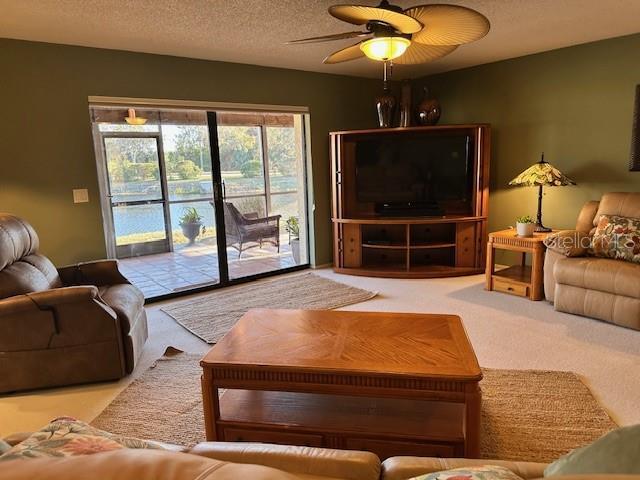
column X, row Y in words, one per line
column 386, row 107
column 428, row 111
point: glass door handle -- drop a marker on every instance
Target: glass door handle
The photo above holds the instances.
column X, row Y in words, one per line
column 224, row 190
column 218, row 191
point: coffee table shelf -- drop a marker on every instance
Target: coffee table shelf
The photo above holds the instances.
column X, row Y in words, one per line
column 404, row 419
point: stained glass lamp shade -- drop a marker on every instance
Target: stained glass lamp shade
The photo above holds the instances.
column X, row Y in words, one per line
column 539, row 175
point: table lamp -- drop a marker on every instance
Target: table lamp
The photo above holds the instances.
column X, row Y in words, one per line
column 541, row 174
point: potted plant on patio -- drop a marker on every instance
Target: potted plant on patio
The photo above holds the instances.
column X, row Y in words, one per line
column 293, row 228
column 525, row 226
column 191, row 223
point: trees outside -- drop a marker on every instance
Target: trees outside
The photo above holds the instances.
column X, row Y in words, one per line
column 121, row 170
column 251, row 169
column 240, row 150
column 136, row 159
column 192, row 144
column 132, row 159
column 282, row 150
column 239, row 146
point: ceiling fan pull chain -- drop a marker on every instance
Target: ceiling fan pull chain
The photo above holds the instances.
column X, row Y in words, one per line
column 387, row 73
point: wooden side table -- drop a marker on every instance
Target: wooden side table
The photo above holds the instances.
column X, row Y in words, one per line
column 522, row 280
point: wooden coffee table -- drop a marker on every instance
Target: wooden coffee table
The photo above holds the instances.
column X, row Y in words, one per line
column 390, row 383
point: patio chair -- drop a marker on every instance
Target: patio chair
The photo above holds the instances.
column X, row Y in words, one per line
column 244, row 229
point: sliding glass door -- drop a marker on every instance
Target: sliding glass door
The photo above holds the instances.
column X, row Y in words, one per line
column 194, row 199
column 262, row 172
column 190, row 195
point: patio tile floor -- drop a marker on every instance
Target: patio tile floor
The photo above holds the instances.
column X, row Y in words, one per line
column 197, row 265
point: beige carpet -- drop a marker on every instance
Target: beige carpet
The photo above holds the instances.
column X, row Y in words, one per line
column 210, row 317
column 526, row 414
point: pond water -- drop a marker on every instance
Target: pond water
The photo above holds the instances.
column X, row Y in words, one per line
column 146, row 222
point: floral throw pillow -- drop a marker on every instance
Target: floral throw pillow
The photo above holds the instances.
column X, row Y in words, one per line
column 65, row 437
column 4, row 446
column 486, row 472
column 617, row 237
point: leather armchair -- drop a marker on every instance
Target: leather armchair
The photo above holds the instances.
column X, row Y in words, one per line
column 79, row 324
column 602, row 288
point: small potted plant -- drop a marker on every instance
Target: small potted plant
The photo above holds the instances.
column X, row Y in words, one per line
column 191, row 223
column 293, row 228
column 525, row 226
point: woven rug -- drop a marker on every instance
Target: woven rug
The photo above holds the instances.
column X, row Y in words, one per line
column 527, row 415
column 210, row 317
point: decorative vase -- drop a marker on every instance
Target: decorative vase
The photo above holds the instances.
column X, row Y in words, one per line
column 525, row 229
column 386, row 107
column 295, row 250
column 191, row 231
column 428, row 109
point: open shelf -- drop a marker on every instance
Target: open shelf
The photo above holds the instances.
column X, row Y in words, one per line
column 433, row 234
column 391, row 246
column 384, row 236
column 394, row 259
column 516, row 273
column 439, row 421
column 404, row 246
column 412, row 251
column 441, row 256
column 432, row 245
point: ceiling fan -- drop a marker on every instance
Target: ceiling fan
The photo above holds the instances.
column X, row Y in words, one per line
column 415, row 35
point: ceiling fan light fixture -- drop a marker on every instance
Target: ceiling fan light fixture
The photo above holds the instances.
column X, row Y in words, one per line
column 385, row 48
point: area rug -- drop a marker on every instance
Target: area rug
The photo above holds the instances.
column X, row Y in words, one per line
column 527, row 415
column 210, row 317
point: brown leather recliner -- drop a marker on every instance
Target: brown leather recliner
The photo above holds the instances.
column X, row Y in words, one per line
column 77, row 324
column 602, row 288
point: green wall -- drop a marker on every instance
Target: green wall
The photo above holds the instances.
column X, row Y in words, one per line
column 46, row 148
column 575, row 104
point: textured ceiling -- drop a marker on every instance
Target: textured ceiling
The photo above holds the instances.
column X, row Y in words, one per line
column 254, row 31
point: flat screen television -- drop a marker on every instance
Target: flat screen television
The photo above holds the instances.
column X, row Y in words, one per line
column 430, row 175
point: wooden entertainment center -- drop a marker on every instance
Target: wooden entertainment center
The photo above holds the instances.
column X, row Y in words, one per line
column 371, row 242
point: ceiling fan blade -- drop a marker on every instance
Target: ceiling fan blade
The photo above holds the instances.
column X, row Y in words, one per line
column 448, row 24
column 328, row 38
column 360, row 15
column 345, row 54
column 420, row 53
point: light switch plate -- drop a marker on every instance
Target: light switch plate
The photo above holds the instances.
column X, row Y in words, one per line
column 80, row 195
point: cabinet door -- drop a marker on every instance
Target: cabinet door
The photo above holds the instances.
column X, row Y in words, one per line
column 351, row 245
column 466, row 245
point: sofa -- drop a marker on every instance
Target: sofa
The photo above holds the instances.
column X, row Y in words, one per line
column 76, row 324
column 232, row 461
column 603, row 288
